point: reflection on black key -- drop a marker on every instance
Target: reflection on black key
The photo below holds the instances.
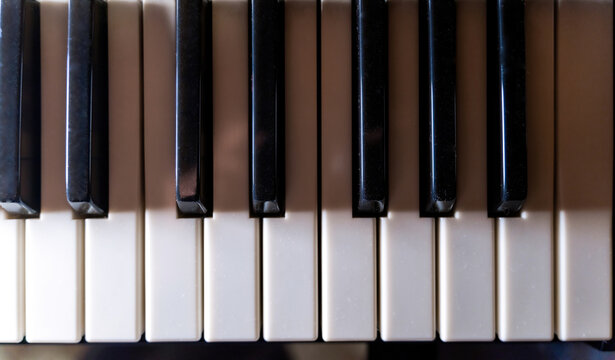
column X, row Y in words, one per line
column 267, row 108
column 193, row 106
column 369, row 108
column 437, row 82
column 507, row 153
column 87, row 147
column 20, row 107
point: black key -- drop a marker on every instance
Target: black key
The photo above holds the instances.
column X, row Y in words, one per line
column 437, row 122
column 87, row 145
column 369, row 108
column 193, row 105
column 267, row 108
column 20, row 107
column 506, row 142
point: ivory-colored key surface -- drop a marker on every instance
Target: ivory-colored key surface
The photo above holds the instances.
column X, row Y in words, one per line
column 407, row 253
column 525, row 244
column 173, row 246
column 466, row 242
column 114, row 245
column 11, row 279
column 54, row 241
column 348, row 244
column 584, row 175
column 290, row 274
column 231, row 251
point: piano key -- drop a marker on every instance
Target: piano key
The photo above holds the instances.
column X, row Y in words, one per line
column 466, row 264
column 525, row 243
column 369, row 108
column 290, row 244
column 173, row 246
column 114, row 245
column 193, row 155
column 231, row 243
column 407, row 241
column 348, row 244
column 87, row 144
column 437, row 86
column 267, row 108
column 506, row 135
column 20, row 107
column 584, row 170
column 54, row 241
column 11, row 279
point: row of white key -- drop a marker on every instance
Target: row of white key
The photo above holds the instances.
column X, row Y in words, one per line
column 204, row 276
column 54, row 241
column 57, row 287
column 231, row 253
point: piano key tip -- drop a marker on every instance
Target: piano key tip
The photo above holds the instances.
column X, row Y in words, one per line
column 19, row 209
column 438, row 208
column 506, row 208
column 370, row 208
column 267, row 208
column 87, row 208
column 192, row 208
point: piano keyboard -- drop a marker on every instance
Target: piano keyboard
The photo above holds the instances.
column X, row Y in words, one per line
column 344, row 170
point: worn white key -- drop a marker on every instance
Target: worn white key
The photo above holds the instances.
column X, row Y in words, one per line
column 290, row 275
column 348, row 244
column 525, row 244
column 584, row 154
column 54, row 241
column 114, row 245
column 407, row 254
column 11, row 279
column 173, row 247
column 466, row 264
column 231, row 250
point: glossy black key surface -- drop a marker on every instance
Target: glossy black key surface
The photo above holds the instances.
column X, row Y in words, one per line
column 437, row 119
column 87, row 146
column 369, row 108
column 267, row 108
column 193, row 106
column 506, row 140
column 20, row 107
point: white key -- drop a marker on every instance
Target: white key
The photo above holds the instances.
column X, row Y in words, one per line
column 290, row 275
column 54, row 242
column 114, row 246
column 11, row 279
column 407, row 254
column 525, row 244
column 466, row 264
column 348, row 244
column 231, row 251
column 584, row 79
column 173, row 283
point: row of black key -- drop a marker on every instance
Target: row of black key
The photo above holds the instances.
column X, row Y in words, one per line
column 86, row 113
column 87, row 108
column 87, row 120
column 20, row 107
column 193, row 109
